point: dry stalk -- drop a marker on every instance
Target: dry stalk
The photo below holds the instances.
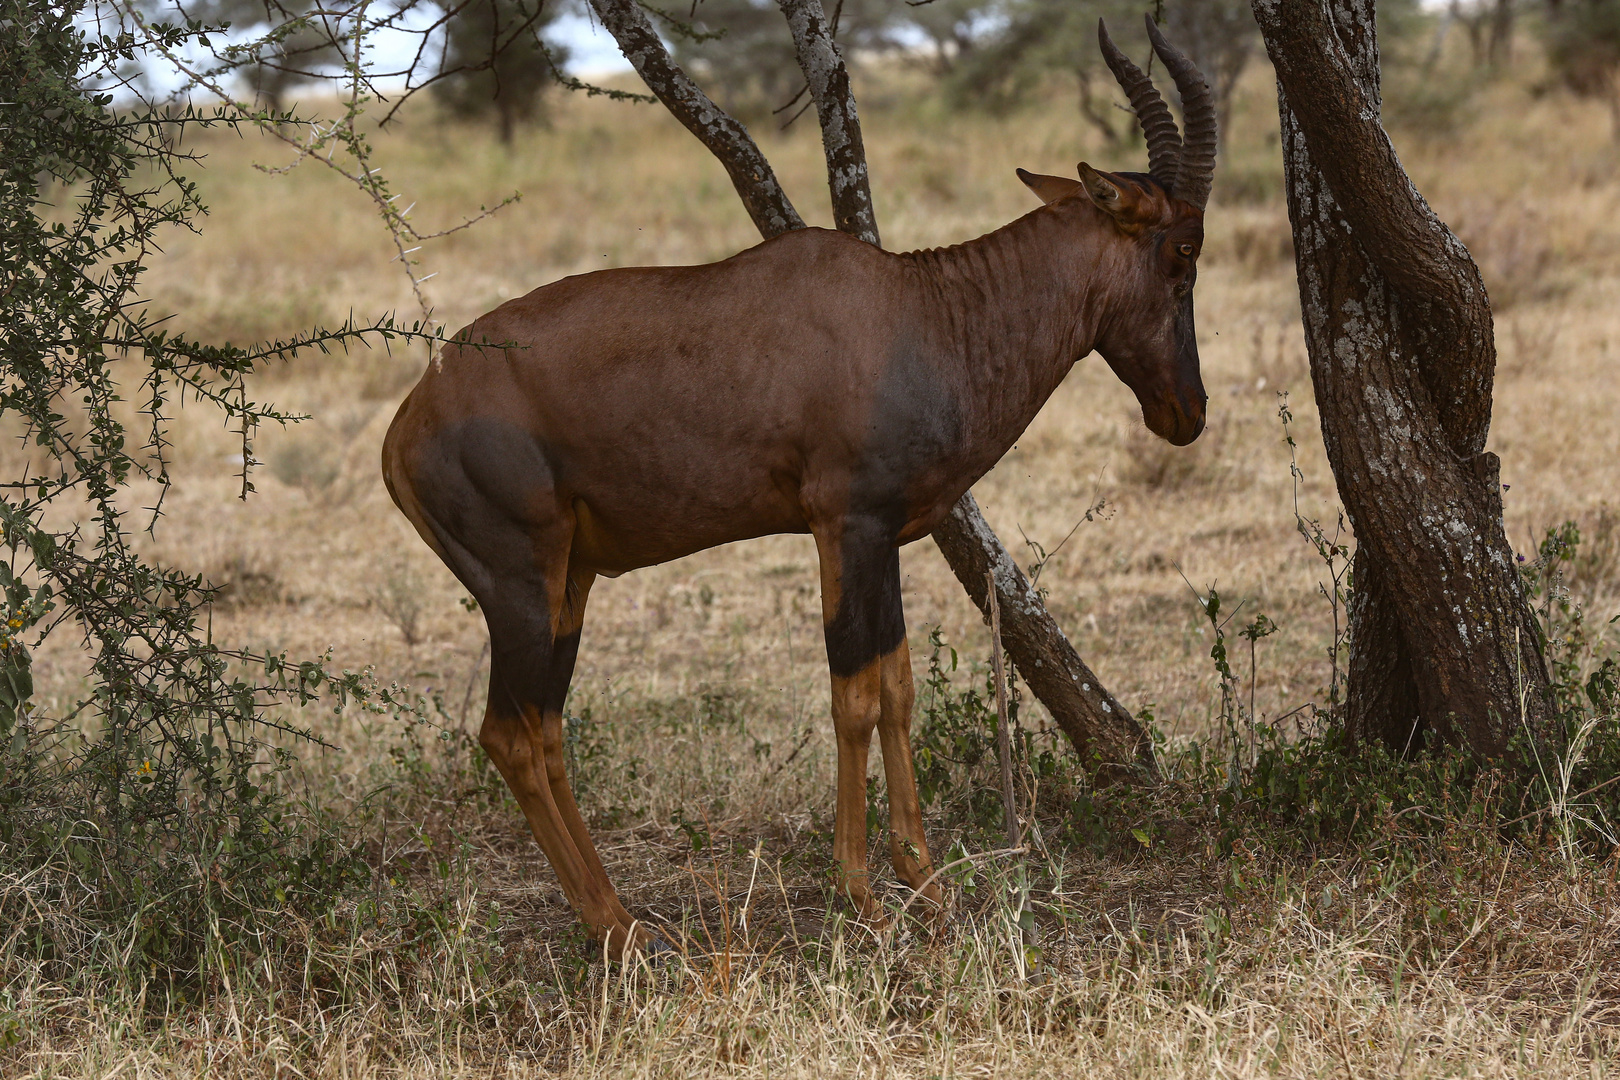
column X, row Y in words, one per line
column 1009, row 801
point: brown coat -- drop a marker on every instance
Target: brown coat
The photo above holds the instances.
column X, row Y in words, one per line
column 811, row 384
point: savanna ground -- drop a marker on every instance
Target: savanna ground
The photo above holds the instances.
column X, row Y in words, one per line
column 1171, row 938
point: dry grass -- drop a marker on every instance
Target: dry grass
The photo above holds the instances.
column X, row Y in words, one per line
column 1174, row 964
column 705, row 683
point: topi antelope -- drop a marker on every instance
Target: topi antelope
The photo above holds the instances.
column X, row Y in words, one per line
column 812, row 384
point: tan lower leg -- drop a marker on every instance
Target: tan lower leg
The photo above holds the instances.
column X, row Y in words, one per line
column 518, row 752
column 520, row 760
column 599, row 905
column 568, row 812
column 856, row 702
column 908, row 847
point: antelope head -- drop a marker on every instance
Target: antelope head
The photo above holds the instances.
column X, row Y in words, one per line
column 1154, row 233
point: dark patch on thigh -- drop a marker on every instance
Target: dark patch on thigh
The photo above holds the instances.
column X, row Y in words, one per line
column 871, row 620
column 485, row 489
column 479, row 467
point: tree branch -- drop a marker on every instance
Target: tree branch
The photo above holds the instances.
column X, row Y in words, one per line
column 847, row 177
column 1105, row 735
column 726, row 139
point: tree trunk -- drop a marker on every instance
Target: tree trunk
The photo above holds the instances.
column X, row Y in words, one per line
column 1502, row 33
column 845, row 151
column 1398, row 329
column 1095, row 114
column 1104, row 734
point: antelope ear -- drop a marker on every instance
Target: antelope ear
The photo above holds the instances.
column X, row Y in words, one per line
column 1104, row 193
column 1049, row 188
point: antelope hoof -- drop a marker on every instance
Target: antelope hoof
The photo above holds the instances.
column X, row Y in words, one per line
column 622, row 944
column 863, row 903
column 928, row 903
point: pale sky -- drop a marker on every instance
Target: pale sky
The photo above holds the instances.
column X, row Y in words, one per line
column 593, row 51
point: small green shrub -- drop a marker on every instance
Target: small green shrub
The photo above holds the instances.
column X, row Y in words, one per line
column 154, row 824
column 244, row 578
column 397, row 593
column 954, row 750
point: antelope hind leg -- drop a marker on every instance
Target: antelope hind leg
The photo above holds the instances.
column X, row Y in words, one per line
column 565, row 650
column 518, row 741
column 482, row 496
column 526, row 601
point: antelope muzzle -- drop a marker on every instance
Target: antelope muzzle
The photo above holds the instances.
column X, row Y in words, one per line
column 1174, row 407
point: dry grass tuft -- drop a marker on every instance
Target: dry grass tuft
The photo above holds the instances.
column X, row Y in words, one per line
column 1173, row 964
column 245, row 577
column 1596, row 570
column 1517, row 252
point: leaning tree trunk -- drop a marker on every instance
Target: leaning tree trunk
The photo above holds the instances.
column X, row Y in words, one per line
column 1103, row 732
column 1398, row 328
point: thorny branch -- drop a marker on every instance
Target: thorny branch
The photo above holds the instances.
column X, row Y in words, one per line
column 343, row 131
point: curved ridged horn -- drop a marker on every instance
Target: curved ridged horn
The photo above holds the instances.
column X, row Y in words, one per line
column 1197, row 170
column 1158, row 126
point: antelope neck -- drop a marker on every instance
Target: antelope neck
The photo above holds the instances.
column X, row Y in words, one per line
column 1014, row 309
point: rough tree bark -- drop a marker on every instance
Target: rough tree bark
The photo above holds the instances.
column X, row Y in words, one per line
column 1403, row 356
column 1103, row 732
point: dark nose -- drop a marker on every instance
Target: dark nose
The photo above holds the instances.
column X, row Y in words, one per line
column 1197, row 427
column 1189, row 417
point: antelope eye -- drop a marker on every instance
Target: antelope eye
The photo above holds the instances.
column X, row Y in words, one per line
column 1186, row 250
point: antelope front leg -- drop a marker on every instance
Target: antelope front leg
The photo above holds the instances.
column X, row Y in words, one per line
column 908, row 847
column 856, row 706
column 864, row 624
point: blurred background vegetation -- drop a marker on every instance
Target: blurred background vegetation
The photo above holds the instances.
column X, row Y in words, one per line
column 499, row 58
